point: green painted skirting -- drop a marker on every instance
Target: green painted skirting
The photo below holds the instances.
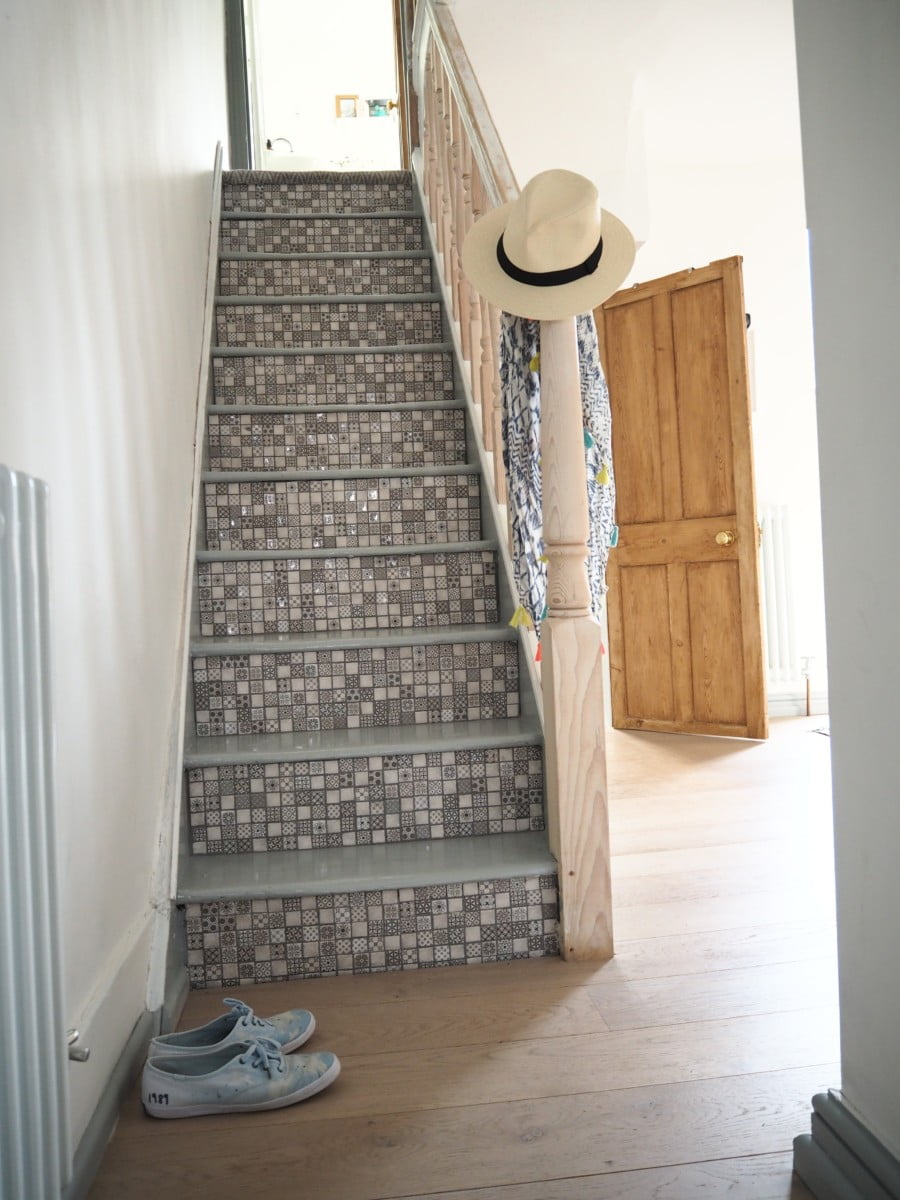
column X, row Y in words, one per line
column 93, row 1144
column 841, row 1159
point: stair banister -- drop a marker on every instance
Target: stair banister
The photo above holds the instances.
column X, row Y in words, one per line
column 464, row 172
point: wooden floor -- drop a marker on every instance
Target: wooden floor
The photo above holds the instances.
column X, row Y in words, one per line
column 683, row 1068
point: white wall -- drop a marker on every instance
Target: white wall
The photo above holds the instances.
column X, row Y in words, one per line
column 685, row 114
column 850, row 104
column 111, row 114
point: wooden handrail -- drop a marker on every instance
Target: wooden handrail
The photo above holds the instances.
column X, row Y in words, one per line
column 464, row 172
column 434, row 29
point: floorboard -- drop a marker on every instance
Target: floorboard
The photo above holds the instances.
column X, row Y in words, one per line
column 682, row 1068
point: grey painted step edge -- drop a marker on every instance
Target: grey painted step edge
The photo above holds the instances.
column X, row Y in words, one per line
column 235, row 176
column 363, row 473
column 318, row 255
column 231, row 214
column 363, row 868
column 223, row 299
column 407, row 408
column 349, row 551
column 299, row 746
column 259, row 351
column 293, row 643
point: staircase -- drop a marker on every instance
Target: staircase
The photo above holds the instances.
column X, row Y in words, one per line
column 363, row 765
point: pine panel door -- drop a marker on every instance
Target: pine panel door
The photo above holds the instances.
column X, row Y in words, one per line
column 685, row 632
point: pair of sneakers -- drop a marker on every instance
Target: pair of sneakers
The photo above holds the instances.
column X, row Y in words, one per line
column 235, row 1063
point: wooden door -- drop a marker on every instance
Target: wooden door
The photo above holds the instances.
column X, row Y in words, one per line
column 685, row 634
column 404, row 15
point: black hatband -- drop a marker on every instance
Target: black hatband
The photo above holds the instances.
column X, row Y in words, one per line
column 549, row 278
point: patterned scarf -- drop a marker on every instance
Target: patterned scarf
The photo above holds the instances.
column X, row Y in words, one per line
column 521, row 427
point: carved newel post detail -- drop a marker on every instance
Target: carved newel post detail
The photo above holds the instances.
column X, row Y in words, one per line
column 574, row 726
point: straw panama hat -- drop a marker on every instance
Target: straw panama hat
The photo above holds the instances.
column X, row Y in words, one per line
column 550, row 254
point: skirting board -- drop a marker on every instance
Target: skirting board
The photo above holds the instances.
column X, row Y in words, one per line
column 841, row 1159
column 101, row 1125
column 178, row 981
column 791, row 702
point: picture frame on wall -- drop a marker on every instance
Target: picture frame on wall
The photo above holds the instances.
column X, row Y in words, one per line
column 346, row 106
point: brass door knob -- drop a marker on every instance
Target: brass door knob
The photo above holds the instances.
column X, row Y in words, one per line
column 725, row 538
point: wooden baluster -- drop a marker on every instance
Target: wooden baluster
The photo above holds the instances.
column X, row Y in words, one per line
column 428, row 137
column 459, row 229
column 440, row 174
column 472, row 325
column 486, row 364
column 488, row 354
column 449, row 109
column 575, row 753
column 447, row 177
column 496, row 407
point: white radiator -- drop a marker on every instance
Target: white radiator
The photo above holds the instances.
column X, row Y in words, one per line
column 35, row 1152
column 782, row 663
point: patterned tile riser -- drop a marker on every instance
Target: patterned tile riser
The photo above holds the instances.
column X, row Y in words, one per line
column 320, row 235
column 378, row 377
column 343, row 594
column 324, row 277
column 355, row 688
column 365, row 801
column 282, row 326
column 337, row 441
column 326, row 514
column 240, row 942
column 321, row 191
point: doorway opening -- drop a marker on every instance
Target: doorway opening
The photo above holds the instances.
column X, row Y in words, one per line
column 323, row 85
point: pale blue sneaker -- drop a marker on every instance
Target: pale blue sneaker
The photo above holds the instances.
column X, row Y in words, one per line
column 238, row 1077
column 288, row 1030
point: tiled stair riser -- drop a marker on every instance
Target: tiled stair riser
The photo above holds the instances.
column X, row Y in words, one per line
column 375, row 323
column 335, row 441
column 371, row 800
column 320, row 235
column 324, row 277
column 346, row 593
column 318, row 191
column 377, row 377
column 355, row 688
column 323, row 514
column 239, row 942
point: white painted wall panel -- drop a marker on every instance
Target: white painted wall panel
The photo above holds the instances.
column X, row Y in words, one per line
column 111, row 114
column 850, row 105
column 685, row 114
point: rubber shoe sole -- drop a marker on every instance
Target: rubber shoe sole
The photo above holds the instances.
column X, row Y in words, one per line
column 207, row 1110
column 248, row 1077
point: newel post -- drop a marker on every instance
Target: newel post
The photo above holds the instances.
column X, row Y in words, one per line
column 571, row 648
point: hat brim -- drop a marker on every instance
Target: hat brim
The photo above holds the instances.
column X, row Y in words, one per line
column 480, row 265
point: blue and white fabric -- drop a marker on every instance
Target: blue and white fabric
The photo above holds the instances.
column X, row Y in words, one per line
column 521, row 428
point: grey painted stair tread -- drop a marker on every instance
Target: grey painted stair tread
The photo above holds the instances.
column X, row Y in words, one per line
column 261, row 351
column 308, row 214
column 226, row 299
column 364, row 868
column 317, row 256
column 375, row 407
column 320, row 175
column 349, row 551
column 362, row 473
column 296, row 746
column 289, row 643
